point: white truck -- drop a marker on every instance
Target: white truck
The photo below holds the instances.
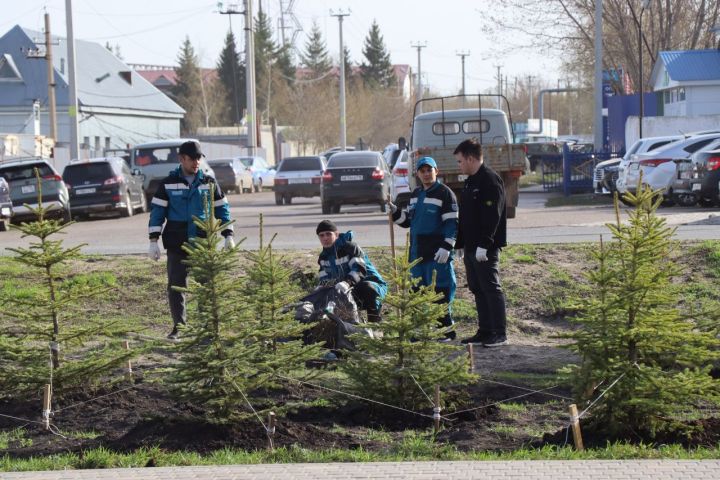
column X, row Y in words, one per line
column 436, row 134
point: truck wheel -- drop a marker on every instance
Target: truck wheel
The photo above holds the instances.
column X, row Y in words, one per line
column 288, row 199
column 706, row 202
column 278, row 198
column 326, row 208
column 336, row 208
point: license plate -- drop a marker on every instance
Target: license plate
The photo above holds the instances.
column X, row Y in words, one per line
column 299, row 180
column 696, row 186
column 350, row 178
column 85, row 191
column 27, row 188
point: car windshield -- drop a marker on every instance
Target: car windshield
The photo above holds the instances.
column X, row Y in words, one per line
column 90, row 172
column 247, row 161
column 154, row 156
column 299, row 163
column 25, row 172
column 352, row 161
column 220, row 163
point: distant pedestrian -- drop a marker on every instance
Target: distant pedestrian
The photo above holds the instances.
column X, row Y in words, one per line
column 482, row 235
column 432, row 216
column 180, row 196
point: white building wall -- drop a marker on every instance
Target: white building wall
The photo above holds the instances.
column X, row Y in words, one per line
column 702, row 100
column 662, row 126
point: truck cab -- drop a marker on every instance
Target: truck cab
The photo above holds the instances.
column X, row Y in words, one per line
column 437, row 133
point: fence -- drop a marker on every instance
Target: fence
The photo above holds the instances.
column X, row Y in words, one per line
column 571, row 172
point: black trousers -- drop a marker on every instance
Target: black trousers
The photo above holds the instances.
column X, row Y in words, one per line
column 484, row 282
column 177, row 277
column 368, row 298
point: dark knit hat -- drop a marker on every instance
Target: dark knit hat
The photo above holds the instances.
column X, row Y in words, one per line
column 325, row 226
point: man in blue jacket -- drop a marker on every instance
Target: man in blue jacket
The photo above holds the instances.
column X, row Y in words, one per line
column 343, row 263
column 432, row 216
column 180, row 196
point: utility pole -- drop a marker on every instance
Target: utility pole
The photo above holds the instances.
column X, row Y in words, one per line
column 419, row 93
column 462, row 56
column 598, row 116
column 51, row 78
column 530, row 90
column 72, row 83
column 343, row 125
column 499, row 80
column 286, row 11
column 230, row 11
column 250, row 79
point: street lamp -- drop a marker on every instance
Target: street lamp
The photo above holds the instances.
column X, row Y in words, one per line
column 645, row 4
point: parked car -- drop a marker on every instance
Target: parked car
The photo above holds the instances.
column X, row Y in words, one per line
column 5, row 205
column 104, row 184
column 659, row 166
column 298, row 177
column 604, row 170
column 262, row 174
column 352, row 178
column 397, row 160
column 332, row 151
column 705, row 177
column 20, row 176
column 232, row 175
column 156, row 160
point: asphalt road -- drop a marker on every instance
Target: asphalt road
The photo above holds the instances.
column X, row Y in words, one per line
column 295, row 225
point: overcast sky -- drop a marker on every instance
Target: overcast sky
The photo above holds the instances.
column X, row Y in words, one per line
column 151, row 32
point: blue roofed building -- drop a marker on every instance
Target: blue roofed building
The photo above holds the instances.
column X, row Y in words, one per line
column 687, row 82
column 117, row 106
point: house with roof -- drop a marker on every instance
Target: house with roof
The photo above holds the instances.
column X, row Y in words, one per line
column 687, row 83
column 116, row 106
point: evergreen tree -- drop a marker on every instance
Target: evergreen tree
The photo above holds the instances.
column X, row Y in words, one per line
column 231, row 73
column 390, row 367
column 47, row 337
column 187, row 91
column 285, row 67
column 316, row 56
column 633, row 330
column 377, row 70
column 239, row 340
column 347, row 60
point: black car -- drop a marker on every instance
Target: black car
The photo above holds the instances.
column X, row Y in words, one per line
column 105, row 184
column 352, row 178
column 706, row 175
column 5, row 205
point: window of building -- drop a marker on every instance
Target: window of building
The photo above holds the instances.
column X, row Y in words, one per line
column 681, row 94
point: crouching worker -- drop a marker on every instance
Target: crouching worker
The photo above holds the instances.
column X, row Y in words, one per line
column 344, row 265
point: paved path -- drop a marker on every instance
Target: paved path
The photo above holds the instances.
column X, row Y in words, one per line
column 544, row 470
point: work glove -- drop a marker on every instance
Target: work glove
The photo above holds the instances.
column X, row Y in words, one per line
column 459, row 252
column 342, row 288
column 442, row 255
column 229, row 242
column 481, row 254
column 393, row 208
column 154, row 251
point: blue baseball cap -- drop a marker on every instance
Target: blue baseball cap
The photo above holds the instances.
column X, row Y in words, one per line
column 426, row 161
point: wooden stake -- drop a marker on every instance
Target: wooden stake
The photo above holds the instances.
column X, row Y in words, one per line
column 575, row 424
column 392, row 231
column 437, row 409
column 271, row 430
column 47, row 402
column 472, row 358
column 129, row 373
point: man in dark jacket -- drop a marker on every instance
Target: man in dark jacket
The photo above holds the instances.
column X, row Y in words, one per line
column 482, row 234
column 343, row 263
column 180, row 196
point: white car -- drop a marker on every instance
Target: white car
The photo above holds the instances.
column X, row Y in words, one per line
column 659, row 166
column 397, row 160
column 263, row 175
column 640, row 146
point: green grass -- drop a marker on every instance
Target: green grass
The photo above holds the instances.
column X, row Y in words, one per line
column 530, row 179
column 416, row 447
column 528, row 379
column 15, row 438
column 513, row 409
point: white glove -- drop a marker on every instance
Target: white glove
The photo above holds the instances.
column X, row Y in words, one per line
column 229, row 242
column 459, row 252
column 442, row 255
column 154, row 252
column 391, row 206
column 481, row 254
column 342, row 287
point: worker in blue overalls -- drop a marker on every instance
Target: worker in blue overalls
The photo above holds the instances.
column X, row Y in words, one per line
column 432, row 216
